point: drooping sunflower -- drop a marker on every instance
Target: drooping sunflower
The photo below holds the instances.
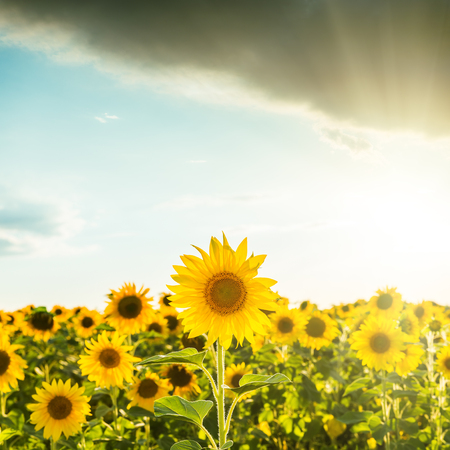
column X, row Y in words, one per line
column 409, row 324
column 443, row 361
column 287, row 325
column 108, row 362
column 41, row 325
column 85, row 322
column 60, row 408
column 222, row 294
column 233, row 375
column 411, row 360
column 173, row 324
column 164, row 300
column 61, row 314
column 306, row 307
column 128, row 310
column 144, row 392
column 318, row 331
column 183, row 380
column 387, row 303
column 422, row 311
column 11, row 365
column 379, row 343
column 157, row 323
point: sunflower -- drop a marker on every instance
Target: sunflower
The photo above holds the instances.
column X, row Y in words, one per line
column 409, row 324
column 411, row 360
column 108, row 362
column 306, row 307
column 287, row 325
column 233, row 375
column 422, row 311
column 164, row 300
column 318, row 331
column 40, row 325
column 379, row 343
column 60, row 408
column 173, row 324
column 157, row 323
column 11, row 365
column 183, row 380
column 222, row 296
column 198, row 342
column 443, row 361
column 354, row 323
column 386, row 304
column 436, row 321
column 86, row 321
column 12, row 321
column 61, row 314
column 128, row 310
column 144, row 392
column 258, row 344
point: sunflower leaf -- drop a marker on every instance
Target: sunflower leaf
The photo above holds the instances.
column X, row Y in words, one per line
column 8, row 433
column 105, row 327
column 357, row 384
column 227, row 444
column 186, row 445
column 182, row 409
column 251, row 382
column 185, row 356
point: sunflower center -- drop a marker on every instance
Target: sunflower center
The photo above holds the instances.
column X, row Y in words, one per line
column 77, row 311
column 87, row 322
column 179, row 376
column 109, row 358
column 155, row 326
column 380, row 343
column 419, row 312
column 148, row 388
column 58, row 312
column 316, row 327
column 172, row 322
column 304, row 305
column 235, row 380
column 130, row 307
column 285, row 325
column 406, row 326
column 345, row 308
column 5, row 360
column 59, row 407
column 42, row 321
column 198, row 343
column 385, row 301
column 435, row 325
column 225, row 293
column 166, row 300
column 11, row 319
column 447, row 363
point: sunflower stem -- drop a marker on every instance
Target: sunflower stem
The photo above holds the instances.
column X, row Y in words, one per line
column 230, row 413
column 3, row 404
column 148, row 436
column 113, row 393
column 384, row 407
column 221, row 396
column 52, row 444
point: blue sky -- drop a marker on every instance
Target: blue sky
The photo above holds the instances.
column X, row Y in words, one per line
column 88, row 201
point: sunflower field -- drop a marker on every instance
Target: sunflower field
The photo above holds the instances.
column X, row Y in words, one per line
column 223, row 361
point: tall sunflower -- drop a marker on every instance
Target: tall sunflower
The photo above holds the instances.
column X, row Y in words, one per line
column 379, row 343
column 108, row 362
column 436, row 321
column 157, row 323
column 12, row 321
column 222, row 294
column 422, row 311
column 318, row 331
column 233, row 375
column 198, row 342
column 128, row 310
column 11, row 365
column 173, row 324
column 85, row 322
column 409, row 324
column 183, row 380
column 61, row 314
column 41, row 325
column 60, row 408
column 287, row 325
column 387, row 303
column 411, row 360
column 306, row 307
column 443, row 362
column 144, row 392
column 164, row 300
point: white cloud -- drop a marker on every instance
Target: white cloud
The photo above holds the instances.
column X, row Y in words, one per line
column 100, row 119
column 110, row 117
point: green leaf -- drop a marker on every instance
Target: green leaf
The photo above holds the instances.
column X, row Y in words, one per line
column 89, row 388
column 227, row 444
column 357, row 384
column 186, row 445
column 309, row 390
column 185, row 356
column 312, row 429
column 399, row 393
column 6, row 434
column 251, row 382
column 182, row 409
column 361, row 427
column 374, row 422
column 67, row 444
column 102, row 410
column 380, row 432
column 409, row 425
column 137, row 411
column 104, row 327
column 351, row 417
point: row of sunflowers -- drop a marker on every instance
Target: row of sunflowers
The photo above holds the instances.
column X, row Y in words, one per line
column 368, row 374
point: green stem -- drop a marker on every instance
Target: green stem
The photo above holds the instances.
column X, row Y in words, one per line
column 211, row 381
column 384, row 407
column 3, row 404
column 230, row 413
column 47, row 373
column 52, row 444
column 221, row 393
column 113, row 393
column 148, row 436
column 208, row 435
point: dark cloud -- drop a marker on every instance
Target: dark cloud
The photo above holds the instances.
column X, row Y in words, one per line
column 381, row 64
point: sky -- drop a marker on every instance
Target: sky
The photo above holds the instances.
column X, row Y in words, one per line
column 319, row 130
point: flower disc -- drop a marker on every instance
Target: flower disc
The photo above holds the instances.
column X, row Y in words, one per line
column 144, row 392
column 319, row 330
column 11, row 365
column 386, row 303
